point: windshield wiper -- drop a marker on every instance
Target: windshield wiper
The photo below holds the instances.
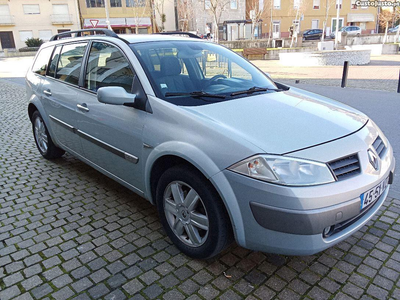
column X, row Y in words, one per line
column 255, row 89
column 194, row 94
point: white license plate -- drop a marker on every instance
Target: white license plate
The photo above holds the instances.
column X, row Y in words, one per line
column 370, row 196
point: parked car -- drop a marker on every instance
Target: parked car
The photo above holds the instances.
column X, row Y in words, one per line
column 351, row 30
column 221, row 149
column 312, row 34
column 393, row 29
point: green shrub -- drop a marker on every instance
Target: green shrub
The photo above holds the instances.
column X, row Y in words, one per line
column 34, row 42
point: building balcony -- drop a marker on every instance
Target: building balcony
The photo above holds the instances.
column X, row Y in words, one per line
column 7, row 20
column 60, row 19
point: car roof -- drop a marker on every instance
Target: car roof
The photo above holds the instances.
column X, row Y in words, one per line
column 127, row 38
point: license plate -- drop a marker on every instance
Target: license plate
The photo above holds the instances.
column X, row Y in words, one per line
column 370, row 196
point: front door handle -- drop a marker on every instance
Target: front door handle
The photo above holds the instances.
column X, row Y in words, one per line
column 83, row 107
column 47, row 92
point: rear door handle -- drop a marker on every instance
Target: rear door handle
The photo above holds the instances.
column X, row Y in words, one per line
column 47, row 92
column 83, row 107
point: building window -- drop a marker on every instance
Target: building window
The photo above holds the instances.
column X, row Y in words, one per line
column 135, row 3
column 31, row 9
column 94, row 3
column 316, row 4
column 339, row 2
column 234, row 4
column 277, row 4
column 116, row 3
column 25, row 34
column 45, row 35
column 207, row 4
column 314, row 24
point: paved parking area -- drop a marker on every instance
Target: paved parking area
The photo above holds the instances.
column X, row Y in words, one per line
column 68, row 232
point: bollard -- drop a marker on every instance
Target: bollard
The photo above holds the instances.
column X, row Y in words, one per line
column 398, row 84
column 345, row 72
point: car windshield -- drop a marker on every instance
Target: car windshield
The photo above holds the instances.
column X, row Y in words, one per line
column 197, row 73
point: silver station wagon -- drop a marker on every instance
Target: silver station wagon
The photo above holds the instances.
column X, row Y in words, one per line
column 222, row 150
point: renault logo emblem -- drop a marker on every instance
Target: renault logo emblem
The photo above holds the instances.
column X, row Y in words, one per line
column 373, row 159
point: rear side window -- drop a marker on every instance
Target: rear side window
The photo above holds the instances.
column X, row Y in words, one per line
column 107, row 66
column 42, row 60
column 51, row 70
column 70, row 62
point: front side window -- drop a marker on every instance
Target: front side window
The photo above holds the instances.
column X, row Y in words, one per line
column 70, row 62
column 107, row 66
column 42, row 60
column 180, row 71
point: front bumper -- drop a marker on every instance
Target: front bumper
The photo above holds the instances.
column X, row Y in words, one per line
column 291, row 220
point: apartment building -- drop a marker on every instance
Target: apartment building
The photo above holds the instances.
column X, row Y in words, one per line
column 232, row 21
column 311, row 14
column 21, row 19
column 125, row 16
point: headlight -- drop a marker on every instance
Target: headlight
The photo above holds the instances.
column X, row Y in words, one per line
column 284, row 170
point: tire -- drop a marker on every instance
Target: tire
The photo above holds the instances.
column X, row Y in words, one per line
column 43, row 139
column 192, row 213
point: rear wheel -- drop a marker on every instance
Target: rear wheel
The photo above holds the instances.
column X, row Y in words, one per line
column 43, row 140
column 192, row 213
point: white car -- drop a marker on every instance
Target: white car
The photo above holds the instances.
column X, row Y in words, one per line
column 351, row 30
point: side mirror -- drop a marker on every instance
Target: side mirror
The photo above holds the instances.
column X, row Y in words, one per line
column 115, row 95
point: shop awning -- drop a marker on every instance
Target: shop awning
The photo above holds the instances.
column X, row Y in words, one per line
column 360, row 18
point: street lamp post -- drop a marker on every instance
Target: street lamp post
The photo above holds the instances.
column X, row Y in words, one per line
column 107, row 14
column 337, row 22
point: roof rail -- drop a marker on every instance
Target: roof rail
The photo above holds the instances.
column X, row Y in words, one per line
column 78, row 33
column 192, row 35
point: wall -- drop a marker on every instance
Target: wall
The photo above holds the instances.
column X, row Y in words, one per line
column 326, row 58
column 370, row 39
column 36, row 22
column 377, row 49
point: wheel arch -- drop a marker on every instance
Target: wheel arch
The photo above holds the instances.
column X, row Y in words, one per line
column 159, row 161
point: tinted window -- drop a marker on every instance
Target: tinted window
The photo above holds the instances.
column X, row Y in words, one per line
column 51, row 70
column 70, row 62
column 40, row 65
column 107, row 66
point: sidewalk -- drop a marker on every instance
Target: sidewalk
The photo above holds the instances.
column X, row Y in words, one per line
column 381, row 74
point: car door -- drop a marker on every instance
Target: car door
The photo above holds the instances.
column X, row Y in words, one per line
column 111, row 135
column 61, row 94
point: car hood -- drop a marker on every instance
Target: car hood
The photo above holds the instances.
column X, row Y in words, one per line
column 282, row 122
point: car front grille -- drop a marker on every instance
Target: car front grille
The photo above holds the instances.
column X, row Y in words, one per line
column 379, row 146
column 345, row 167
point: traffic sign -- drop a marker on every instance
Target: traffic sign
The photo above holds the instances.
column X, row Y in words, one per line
column 94, row 23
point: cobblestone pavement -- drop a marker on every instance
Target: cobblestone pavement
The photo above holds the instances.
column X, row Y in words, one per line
column 67, row 231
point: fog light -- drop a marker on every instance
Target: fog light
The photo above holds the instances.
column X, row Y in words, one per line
column 327, row 230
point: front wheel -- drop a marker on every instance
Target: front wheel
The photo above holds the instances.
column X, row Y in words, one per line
column 43, row 140
column 192, row 213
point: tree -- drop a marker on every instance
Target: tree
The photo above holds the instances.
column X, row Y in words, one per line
column 328, row 5
column 299, row 6
column 257, row 9
column 159, row 7
column 139, row 9
column 386, row 17
column 216, row 8
column 185, row 13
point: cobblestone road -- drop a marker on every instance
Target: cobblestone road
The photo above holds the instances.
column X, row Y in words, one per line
column 68, row 232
